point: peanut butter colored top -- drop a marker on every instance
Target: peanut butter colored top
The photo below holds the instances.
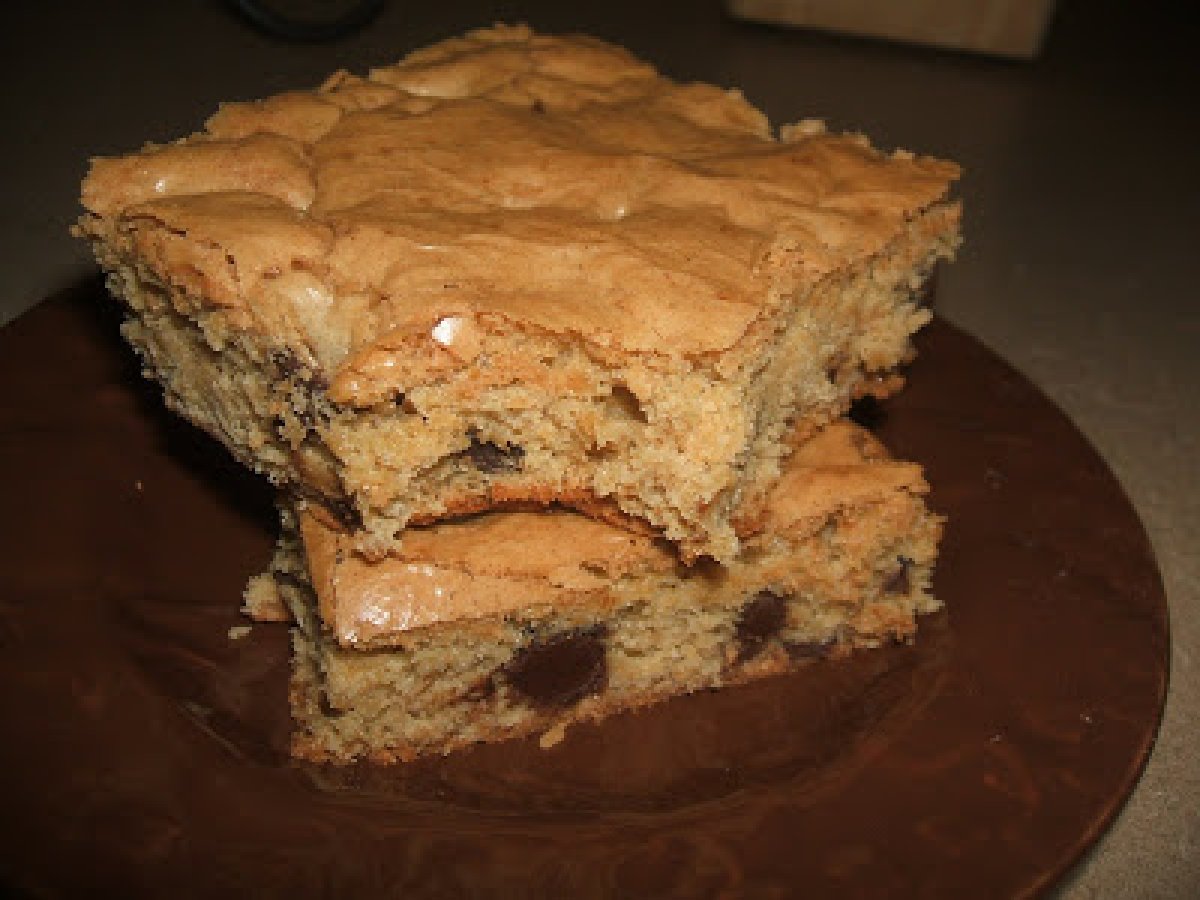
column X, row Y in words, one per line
column 502, row 562
column 503, row 179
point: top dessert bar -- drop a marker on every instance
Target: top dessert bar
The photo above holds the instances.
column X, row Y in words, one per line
column 516, row 267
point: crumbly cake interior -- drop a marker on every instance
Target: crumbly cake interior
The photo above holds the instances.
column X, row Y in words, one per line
column 516, row 267
column 456, row 639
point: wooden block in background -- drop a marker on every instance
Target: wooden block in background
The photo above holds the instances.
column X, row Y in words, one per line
column 1013, row 28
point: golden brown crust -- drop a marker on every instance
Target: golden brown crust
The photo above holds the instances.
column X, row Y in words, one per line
column 471, row 568
column 475, row 181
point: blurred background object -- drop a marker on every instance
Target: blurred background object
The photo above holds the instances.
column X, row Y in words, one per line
column 1000, row 27
column 308, row 20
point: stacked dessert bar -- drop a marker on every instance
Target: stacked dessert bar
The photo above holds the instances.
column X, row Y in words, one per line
column 547, row 355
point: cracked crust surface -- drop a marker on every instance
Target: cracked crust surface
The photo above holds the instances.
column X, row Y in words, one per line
column 475, row 181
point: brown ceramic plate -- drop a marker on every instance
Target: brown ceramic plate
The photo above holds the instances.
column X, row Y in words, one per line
column 143, row 750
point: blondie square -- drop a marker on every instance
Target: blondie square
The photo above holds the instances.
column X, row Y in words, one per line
column 513, row 623
column 519, row 268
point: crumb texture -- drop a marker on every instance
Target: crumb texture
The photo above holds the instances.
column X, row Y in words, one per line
column 453, row 639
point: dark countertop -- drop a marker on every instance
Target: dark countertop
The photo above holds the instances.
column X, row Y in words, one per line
column 1080, row 189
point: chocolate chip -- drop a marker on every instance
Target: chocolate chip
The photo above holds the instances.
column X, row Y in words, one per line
column 490, row 458
column 898, row 582
column 561, row 669
column 763, row 617
column 867, row 412
column 344, row 510
column 538, row 107
column 341, row 508
column 315, row 383
column 286, row 362
column 327, row 708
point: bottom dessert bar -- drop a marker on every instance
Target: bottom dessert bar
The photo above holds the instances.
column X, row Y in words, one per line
column 515, row 623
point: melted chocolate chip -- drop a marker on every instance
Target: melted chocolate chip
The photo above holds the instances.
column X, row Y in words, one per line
column 561, row 669
column 867, row 412
column 490, row 458
column 538, row 107
column 342, row 509
column 899, row 582
column 763, row 616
